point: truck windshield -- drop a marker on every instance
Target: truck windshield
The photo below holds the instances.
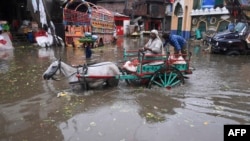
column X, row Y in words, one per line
column 240, row 27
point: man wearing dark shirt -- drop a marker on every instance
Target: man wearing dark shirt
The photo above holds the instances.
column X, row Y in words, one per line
column 178, row 42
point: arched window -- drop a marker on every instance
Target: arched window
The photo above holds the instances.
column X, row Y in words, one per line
column 222, row 26
column 178, row 10
column 202, row 26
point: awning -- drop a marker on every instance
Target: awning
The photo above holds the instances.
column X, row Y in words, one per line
column 120, row 15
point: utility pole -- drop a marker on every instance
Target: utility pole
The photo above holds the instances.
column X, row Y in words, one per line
column 133, row 10
column 164, row 18
column 126, row 7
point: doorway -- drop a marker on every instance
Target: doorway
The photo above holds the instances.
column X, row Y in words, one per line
column 179, row 27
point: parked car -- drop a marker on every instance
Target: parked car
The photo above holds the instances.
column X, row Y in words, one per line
column 234, row 42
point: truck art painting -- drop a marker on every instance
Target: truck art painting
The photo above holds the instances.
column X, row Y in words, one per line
column 82, row 18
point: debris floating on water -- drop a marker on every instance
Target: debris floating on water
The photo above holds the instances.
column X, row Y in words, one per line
column 62, row 94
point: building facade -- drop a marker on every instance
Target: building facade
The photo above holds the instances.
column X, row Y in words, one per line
column 202, row 15
column 210, row 16
column 152, row 13
column 119, row 6
column 182, row 17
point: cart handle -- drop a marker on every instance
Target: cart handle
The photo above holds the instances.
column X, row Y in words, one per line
column 141, row 54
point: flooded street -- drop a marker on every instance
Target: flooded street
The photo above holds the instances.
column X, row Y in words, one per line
column 217, row 93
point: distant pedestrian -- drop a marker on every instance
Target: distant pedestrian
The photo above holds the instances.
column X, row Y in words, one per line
column 230, row 27
column 15, row 25
column 88, row 51
column 114, row 34
column 2, row 40
column 1, row 29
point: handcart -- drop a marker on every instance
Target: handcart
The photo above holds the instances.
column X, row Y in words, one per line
column 166, row 70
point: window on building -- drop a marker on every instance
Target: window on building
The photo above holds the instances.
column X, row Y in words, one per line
column 119, row 22
column 202, row 26
column 178, row 10
column 222, row 26
column 154, row 10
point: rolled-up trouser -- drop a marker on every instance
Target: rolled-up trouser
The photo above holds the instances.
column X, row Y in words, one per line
column 183, row 51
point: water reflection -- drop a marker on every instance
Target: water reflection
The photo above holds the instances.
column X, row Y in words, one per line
column 219, row 87
column 29, row 119
column 5, row 57
column 123, row 114
column 156, row 107
column 46, row 53
column 225, row 106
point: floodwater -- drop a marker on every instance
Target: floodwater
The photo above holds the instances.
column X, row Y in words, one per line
column 217, row 93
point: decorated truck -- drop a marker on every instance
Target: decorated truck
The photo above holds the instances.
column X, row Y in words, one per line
column 81, row 18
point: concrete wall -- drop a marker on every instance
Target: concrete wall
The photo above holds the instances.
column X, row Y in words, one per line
column 214, row 23
column 115, row 6
column 125, row 26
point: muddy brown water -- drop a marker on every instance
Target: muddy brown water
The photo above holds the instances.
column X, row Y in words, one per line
column 217, row 93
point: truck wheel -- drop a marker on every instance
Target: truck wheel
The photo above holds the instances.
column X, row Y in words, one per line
column 233, row 53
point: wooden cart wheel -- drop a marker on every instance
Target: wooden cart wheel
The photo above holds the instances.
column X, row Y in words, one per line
column 167, row 78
